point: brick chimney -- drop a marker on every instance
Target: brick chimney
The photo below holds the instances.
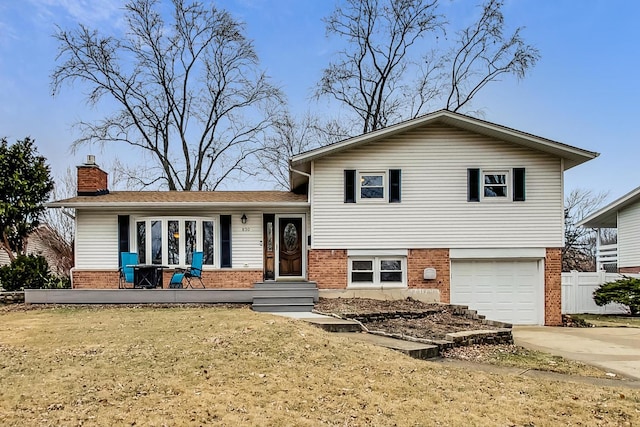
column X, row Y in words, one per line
column 92, row 181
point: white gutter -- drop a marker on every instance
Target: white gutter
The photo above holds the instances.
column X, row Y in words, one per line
column 308, row 175
column 179, row 205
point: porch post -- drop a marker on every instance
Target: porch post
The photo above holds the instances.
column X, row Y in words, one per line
column 599, row 265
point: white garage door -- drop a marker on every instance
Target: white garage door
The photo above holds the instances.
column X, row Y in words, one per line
column 504, row 290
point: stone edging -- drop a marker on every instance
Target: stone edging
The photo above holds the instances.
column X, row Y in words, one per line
column 502, row 335
column 11, row 297
column 457, row 310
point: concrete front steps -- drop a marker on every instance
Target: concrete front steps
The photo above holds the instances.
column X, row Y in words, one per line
column 353, row 329
column 289, row 296
column 414, row 349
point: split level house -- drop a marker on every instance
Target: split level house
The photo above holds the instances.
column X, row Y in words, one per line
column 445, row 201
column 622, row 214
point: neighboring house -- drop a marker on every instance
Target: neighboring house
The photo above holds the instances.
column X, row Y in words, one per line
column 44, row 241
column 444, row 201
column 624, row 215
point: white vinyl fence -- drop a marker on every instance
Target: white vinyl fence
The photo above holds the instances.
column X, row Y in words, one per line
column 577, row 292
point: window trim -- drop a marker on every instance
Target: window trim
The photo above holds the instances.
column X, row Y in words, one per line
column 376, row 262
column 164, row 220
column 507, row 184
column 515, row 183
column 385, row 189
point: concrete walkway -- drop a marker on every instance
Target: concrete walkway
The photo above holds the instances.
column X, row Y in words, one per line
column 615, row 350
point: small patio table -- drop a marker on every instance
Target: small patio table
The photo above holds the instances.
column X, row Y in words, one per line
column 147, row 275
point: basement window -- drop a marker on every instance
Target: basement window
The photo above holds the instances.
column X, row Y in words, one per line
column 377, row 271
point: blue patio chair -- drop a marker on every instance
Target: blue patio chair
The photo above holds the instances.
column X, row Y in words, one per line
column 194, row 272
column 126, row 273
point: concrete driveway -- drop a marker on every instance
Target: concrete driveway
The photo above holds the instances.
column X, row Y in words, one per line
column 613, row 349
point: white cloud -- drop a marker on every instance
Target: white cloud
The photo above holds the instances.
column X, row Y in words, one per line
column 88, row 12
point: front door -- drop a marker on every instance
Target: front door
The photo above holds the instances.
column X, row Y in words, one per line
column 290, row 260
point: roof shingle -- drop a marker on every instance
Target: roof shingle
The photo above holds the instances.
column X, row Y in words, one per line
column 176, row 197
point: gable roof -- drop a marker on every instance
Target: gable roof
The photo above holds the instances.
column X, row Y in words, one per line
column 573, row 155
column 184, row 199
column 607, row 217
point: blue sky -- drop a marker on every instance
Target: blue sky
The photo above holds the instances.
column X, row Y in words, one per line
column 584, row 90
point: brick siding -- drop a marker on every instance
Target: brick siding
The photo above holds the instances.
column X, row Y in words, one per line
column 91, row 179
column 553, row 287
column 211, row 279
column 629, row 270
column 95, row 279
column 328, row 268
column 419, row 259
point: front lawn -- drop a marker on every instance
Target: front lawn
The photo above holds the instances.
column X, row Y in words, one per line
column 203, row 366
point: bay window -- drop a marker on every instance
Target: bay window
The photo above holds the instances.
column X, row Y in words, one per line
column 171, row 241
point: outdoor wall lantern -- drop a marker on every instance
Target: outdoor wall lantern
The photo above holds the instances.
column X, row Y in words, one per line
column 243, row 218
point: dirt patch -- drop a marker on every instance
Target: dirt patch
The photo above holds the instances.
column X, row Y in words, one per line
column 429, row 321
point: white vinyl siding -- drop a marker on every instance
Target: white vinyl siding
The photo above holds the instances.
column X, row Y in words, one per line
column 97, row 236
column 629, row 236
column 4, row 258
column 434, row 212
column 246, row 240
column 96, row 240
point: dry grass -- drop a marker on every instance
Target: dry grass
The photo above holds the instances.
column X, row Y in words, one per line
column 514, row 356
column 203, row 366
column 609, row 320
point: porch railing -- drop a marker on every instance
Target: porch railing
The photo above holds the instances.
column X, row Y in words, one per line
column 607, row 255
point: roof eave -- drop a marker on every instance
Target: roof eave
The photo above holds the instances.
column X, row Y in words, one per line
column 607, row 217
column 176, row 205
column 573, row 156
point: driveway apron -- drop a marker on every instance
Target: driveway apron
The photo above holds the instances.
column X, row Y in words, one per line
column 615, row 350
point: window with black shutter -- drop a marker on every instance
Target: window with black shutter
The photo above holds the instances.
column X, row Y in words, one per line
column 473, row 185
column 394, row 185
column 518, row 185
column 123, row 235
column 349, row 186
column 225, row 241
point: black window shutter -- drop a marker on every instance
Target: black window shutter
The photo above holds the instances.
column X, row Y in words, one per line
column 123, row 235
column 518, row 185
column 349, row 186
column 394, row 185
column 473, row 185
column 225, row 241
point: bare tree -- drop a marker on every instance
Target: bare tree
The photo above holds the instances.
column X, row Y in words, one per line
column 59, row 235
column 63, row 220
column 580, row 242
column 189, row 92
column 378, row 77
column 483, row 53
column 369, row 73
column 291, row 136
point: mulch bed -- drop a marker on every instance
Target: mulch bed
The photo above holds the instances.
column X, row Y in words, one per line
column 440, row 321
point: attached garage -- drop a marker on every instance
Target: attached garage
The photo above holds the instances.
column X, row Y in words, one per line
column 507, row 290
